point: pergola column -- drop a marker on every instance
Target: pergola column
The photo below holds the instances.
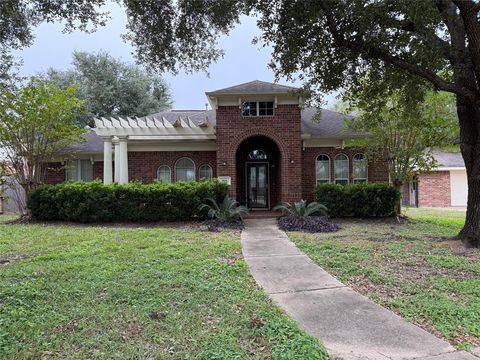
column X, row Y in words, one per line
column 107, row 160
column 123, row 159
column 116, row 143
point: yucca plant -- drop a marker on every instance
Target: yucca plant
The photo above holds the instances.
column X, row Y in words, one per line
column 301, row 208
column 226, row 210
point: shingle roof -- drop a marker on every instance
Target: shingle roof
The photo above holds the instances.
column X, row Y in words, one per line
column 254, row 87
column 449, row 158
column 329, row 124
column 93, row 144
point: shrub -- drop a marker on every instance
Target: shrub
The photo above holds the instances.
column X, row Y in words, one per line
column 359, row 200
column 225, row 210
column 313, row 224
column 96, row 202
column 301, row 208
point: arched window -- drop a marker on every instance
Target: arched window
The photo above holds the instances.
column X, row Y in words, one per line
column 164, row 174
column 205, row 172
column 257, row 155
column 185, row 170
column 322, row 169
column 341, row 169
column 360, row 168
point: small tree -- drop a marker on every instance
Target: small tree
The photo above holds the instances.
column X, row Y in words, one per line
column 404, row 127
column 36, row 121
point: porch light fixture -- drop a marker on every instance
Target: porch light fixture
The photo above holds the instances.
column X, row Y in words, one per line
column 292, row 161
column 223, row 163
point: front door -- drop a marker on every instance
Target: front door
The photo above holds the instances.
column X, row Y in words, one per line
column 257, row 185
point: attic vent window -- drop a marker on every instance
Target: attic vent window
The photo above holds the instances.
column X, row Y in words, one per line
column 257, row 108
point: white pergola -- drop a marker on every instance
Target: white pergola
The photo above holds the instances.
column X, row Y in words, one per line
column 119, row 131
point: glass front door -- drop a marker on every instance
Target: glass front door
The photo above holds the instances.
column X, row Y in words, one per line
column 257, row 185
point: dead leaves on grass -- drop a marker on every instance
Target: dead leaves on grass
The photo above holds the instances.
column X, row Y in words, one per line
column 8, row 259
column 70, row 327
column 230, row 259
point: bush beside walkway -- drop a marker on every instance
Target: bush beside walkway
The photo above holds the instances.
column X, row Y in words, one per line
column 96, row 202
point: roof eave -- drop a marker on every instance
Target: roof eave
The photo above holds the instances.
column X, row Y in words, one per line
column 249, row 93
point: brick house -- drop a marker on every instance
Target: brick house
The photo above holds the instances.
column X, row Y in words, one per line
column 444, row 186
column 258, row 137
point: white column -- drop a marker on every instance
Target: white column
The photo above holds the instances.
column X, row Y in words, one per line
column 123, row 160
column 117, row 161
column 107, row 160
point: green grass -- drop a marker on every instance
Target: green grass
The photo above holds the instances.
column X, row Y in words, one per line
column 414, row 268
column 434, row 213
column 8, row 217
column 151, row 293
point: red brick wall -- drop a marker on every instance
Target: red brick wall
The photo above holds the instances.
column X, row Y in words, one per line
column 283, row 128
column 434, row 189
column 55, row 173
column 377, row 171
column 143, row 165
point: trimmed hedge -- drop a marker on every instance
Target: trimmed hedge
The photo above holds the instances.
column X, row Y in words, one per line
column 96, row 202
column 359, row 200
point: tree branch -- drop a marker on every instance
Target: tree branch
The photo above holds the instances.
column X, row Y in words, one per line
column 371, row 51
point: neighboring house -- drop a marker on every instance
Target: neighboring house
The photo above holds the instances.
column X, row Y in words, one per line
column 257, row 138
column 444, row 186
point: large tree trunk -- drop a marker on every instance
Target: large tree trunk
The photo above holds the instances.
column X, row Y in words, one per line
column 469, row 118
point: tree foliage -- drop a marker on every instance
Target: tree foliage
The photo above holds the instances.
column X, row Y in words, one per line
column 19, row 17
column 9, row 76
column 36, row 121
column 403, row 130
column 111, row 87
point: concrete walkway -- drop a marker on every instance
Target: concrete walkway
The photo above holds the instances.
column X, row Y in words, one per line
column 348, row 324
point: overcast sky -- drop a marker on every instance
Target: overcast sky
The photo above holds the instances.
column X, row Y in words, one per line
column 242, row 62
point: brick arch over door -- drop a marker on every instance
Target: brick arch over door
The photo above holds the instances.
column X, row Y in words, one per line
column 273, row 177
column 290, row 166
column 284, row 127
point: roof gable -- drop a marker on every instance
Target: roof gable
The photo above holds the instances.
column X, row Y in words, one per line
column 254, row 87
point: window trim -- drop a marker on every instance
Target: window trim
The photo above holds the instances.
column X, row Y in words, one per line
column 329, row 169
column 366, row 168
column 200, row 169
column 194, row 169
column 257, row 107
column 335, row 179
column 77, row 163
column 169, row 169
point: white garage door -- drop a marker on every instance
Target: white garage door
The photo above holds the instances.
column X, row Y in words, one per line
column 458, row 187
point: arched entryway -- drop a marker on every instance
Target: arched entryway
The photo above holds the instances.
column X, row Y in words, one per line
column 258, row 172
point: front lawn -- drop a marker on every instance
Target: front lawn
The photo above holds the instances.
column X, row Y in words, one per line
column 136, row 293
column 415, row 269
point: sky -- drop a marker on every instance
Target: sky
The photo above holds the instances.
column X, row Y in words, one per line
column 243, row 61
